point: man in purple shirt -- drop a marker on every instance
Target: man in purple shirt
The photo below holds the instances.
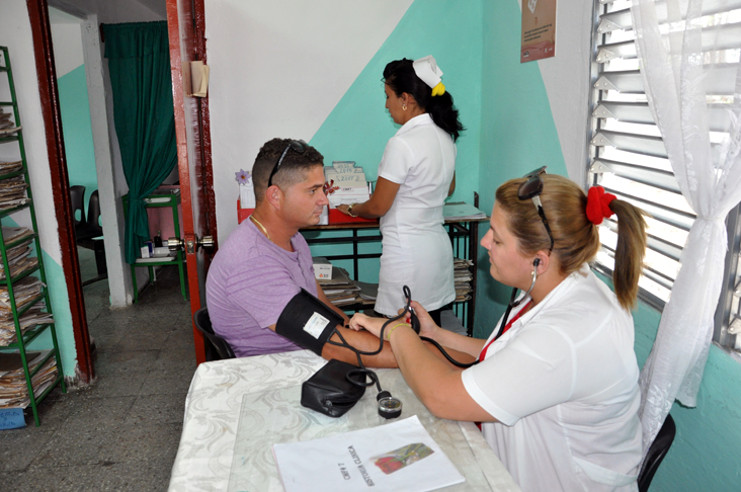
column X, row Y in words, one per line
column 266, row 261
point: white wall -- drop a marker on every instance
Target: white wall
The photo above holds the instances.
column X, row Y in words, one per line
column 15, row 33
column 566, row 79
column 66, row 33
column 277, row 70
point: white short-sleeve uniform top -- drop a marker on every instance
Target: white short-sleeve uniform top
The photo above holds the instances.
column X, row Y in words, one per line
column 416, row 248
column 563, row 384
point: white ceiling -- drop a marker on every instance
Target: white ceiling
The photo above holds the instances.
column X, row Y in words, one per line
column 80, row 8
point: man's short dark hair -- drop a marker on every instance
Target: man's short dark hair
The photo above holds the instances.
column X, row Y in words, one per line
column 292, row 169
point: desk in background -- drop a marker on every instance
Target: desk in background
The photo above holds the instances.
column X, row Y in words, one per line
column 211, row 425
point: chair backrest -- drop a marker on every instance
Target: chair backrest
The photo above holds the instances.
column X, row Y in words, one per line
column 656, row 453
column 216, row 347
column 77, row 197
column 93, row 212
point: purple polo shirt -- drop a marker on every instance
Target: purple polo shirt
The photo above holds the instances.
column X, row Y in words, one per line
column 249, row 283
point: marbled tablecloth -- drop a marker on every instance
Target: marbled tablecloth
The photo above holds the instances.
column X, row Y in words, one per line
column 218, row 452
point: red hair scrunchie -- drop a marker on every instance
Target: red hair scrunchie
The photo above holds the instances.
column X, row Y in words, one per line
column 598, row 204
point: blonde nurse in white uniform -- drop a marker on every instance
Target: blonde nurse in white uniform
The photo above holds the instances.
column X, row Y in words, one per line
column 556, row 386
column 415, row 176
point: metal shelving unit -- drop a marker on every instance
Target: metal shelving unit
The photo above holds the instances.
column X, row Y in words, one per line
column 25, row 308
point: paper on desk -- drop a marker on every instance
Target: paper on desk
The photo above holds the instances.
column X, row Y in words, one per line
column 394, row 456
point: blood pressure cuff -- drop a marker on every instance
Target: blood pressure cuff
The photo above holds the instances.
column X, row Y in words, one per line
column 307, row 322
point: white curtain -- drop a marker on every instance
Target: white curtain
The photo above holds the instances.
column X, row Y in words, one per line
column 709, row 176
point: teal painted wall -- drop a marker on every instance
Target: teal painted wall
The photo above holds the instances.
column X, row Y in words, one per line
column 78, row 135
column 518, row 133
column 359, row 126
column 704, row 455
column 58, row 295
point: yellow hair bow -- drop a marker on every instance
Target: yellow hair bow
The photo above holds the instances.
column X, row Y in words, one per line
column 438, row 90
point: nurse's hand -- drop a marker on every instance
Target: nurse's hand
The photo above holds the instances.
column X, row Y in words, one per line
column 344, row 208
column 427, row 327
column 360, row 321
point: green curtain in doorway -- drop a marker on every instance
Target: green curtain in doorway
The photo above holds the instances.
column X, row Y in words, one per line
column 139, row 66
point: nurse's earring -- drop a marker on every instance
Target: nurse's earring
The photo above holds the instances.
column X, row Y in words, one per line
column 404, row 107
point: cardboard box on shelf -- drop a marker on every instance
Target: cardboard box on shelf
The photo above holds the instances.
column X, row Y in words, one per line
column 322, row 268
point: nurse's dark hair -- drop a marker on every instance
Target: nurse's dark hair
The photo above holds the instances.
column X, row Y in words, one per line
column 576, row 239
column 400, row 77
column 292, row 169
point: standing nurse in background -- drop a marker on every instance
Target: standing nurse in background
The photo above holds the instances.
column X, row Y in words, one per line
column 415, row 176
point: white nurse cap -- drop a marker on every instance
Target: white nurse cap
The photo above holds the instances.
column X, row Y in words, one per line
column 426, row 69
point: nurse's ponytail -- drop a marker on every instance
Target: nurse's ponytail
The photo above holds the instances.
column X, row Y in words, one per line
column 574, row 219
column 400, row 76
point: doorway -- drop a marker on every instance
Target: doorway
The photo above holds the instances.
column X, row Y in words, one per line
column 97, row 138
column 74, row 105
column 195, row 174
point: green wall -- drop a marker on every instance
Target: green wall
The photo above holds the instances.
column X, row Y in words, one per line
column 78, row 134
column 359, row 126
column 708, row 441
column 518, row 133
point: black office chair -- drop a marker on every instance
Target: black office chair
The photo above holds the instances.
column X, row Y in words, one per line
column 93, row 214
column 216, row 347
column 656, row 453
column 91, row 228
column 77, row 199
column 89, row 235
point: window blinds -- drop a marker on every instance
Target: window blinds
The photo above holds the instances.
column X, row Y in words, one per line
column 628, row 157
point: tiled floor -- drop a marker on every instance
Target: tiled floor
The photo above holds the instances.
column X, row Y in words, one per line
column 120, row 433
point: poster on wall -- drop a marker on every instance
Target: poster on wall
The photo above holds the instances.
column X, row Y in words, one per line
column 538, row 30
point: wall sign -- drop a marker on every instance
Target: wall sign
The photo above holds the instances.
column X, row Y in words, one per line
column 538, row 30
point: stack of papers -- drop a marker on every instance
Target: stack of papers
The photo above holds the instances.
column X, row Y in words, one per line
column 13, row 192
column 11, row 234
column 25, row 290
column 462, row 277
column 6, row 123
column 340, row 289
column 368, row 291
column 350, row 183
column 13, row 388
column 19, row 259
column 10, row 166
column 32, row 317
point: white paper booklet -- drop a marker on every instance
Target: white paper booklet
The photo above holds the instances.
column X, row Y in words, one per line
column 394, row 456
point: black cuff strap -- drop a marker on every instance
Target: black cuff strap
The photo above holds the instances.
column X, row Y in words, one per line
column 307, row 322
